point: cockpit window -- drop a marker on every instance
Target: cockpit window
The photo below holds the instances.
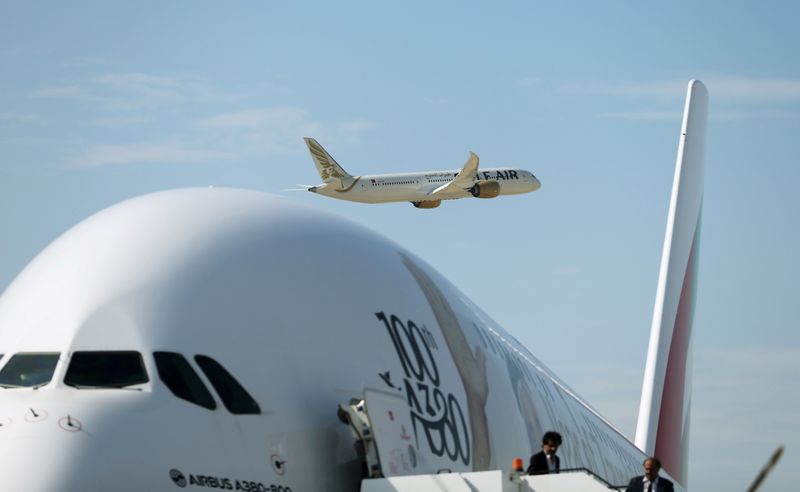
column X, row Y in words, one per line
column 235, row 398
column 107, row 369
column 181, row 379
column 28, row 370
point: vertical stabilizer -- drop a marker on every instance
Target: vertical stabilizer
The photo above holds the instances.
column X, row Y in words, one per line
column 329, row 170
column 663, row 425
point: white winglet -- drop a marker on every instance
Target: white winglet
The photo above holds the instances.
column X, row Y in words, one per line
column 465, row 178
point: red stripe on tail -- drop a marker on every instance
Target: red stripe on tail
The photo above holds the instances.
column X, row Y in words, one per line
column 671, row 433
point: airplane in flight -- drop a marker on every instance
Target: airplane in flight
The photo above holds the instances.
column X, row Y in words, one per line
column 214, row 338
column 423, row 190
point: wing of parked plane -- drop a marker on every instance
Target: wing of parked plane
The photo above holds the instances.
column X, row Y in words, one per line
column 465, row 178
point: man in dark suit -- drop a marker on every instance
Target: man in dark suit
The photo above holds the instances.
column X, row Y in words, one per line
column 546, row 461
column 650, row 481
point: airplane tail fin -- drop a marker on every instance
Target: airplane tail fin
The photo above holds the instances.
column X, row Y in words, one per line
column 329, row 170
column 662, row 429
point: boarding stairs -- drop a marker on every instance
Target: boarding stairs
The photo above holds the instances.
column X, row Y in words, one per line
column 376, row 437
column 579, row 480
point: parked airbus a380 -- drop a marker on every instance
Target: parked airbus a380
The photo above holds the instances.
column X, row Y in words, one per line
column 423, row 190
column 219, row 338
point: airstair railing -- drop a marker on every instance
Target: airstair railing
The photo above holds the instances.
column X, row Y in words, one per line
column 596, row 476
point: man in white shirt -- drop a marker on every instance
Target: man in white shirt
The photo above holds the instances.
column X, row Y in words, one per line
column 650, row 481
column 546, row 461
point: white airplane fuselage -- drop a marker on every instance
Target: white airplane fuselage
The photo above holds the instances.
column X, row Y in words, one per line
column 418, row 187
column 306, row 311
column 423, row 190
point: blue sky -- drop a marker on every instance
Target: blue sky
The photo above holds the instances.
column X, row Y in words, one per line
column 104, row 101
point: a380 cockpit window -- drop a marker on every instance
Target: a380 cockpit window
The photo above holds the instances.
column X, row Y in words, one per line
column 28, row 370
column 233, row 395
column 182, row 381
column 105, row 369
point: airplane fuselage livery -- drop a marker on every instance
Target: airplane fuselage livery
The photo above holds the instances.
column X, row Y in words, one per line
column 423, row 189
column 223, row 339
column 417, row 187
column 114, row 325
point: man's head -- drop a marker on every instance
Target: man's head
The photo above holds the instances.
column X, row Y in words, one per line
column 651, row 467
column 550, row 442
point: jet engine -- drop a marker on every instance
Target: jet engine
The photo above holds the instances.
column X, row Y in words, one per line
column 428, row 203
column 485, row 189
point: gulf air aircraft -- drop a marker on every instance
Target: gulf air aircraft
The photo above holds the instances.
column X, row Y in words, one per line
column 423, row 190
column 226, row 339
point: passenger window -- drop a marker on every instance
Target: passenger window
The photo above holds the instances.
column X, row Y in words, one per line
column 107, row 369
column 28, row 370
column 235, row 398
column 181, row 379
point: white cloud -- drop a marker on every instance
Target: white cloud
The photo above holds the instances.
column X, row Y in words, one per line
column 728, row 88
column 357, row 126
column 87, row 61
column 262, row 131
column 123, row 121
column 278, row 130
column 145, row 87
column 17, row 117
column 751, row 89
column 68, row 92
column 722, row 115
column 144, row 153
column 255, row 118
column 738, row 115
column 733, row 98
column 245, row 134
column 135, row 91
column 125, row 100
column 529, row 81
column 137, row 80
column 643, row 115
column 658, row 90
column 20, row 51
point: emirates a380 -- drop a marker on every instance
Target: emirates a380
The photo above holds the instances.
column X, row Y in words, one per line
column 422, row 189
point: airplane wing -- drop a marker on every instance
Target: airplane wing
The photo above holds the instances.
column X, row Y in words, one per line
column 465, row 178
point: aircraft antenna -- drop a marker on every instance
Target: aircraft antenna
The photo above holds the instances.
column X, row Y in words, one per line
column 773, row 460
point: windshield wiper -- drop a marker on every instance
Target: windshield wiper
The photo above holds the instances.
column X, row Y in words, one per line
column 33, row 386
column 106, row 386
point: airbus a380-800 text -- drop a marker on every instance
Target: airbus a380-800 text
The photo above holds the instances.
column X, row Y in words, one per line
column 223, row 339
column 423, row 190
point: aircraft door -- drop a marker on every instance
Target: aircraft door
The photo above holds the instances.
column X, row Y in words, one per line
column 382, row 425
column 393, row 433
